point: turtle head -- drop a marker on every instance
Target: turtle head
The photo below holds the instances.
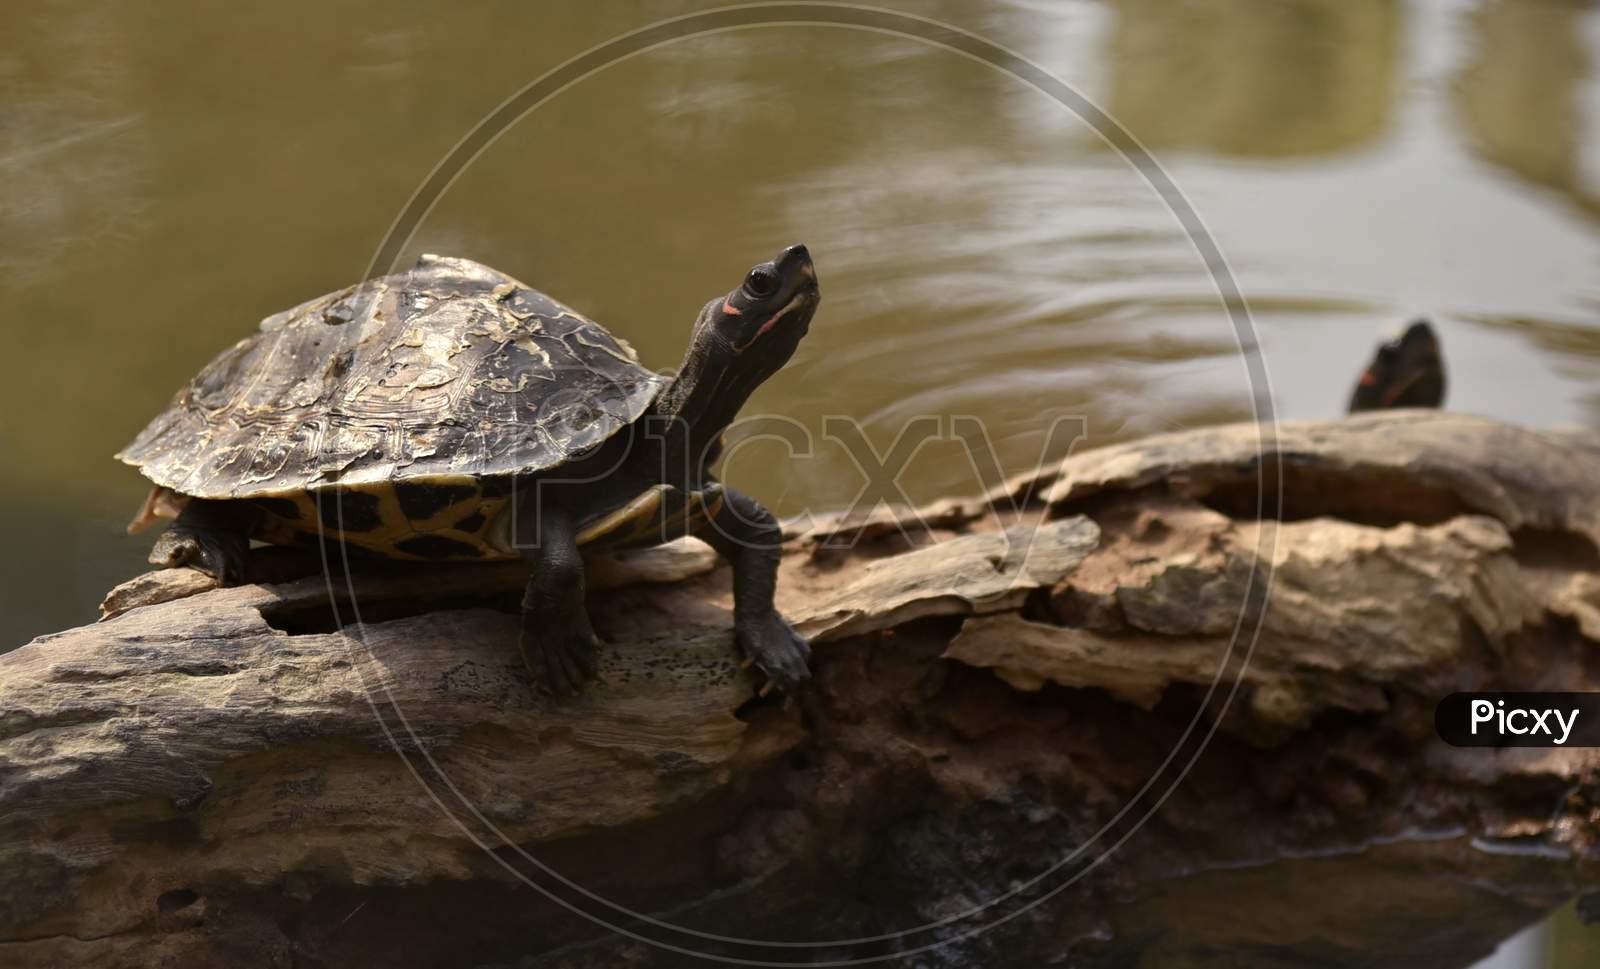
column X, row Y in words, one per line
column 1407, row 371
column 741, row 339
column 759, row 323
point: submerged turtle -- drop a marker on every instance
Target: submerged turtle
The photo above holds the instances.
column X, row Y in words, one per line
column 453, row 413
column 1407, row 371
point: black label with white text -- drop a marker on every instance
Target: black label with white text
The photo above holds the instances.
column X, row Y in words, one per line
column 1519, row 719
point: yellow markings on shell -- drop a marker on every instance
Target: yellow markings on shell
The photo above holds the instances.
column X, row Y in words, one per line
column 449, row 514
column 658, row 513
column 644, row 507
column 394, row 526
column 710, row 508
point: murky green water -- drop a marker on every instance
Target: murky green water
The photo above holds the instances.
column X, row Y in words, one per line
column 171, row 173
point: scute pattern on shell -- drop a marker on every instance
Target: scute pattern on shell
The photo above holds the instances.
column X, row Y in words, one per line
column 449, row 369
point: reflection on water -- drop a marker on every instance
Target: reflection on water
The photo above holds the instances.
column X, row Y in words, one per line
column 981, row 251
column 74, row 154
column 1520, row 101
column 1302, row 77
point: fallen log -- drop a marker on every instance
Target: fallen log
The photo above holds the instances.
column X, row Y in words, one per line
column 1104, row 715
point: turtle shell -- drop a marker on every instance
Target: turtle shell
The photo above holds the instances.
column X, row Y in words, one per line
column 449, row 371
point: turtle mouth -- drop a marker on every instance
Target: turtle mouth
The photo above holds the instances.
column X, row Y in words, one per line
column 806, row 290
column 799, row 273
column 802, row 302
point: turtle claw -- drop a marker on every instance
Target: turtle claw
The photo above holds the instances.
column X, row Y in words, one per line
column 217, row 554
column 561, row 662
column 780, row 652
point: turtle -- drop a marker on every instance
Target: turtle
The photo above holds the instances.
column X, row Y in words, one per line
column 1407, row 371
column 453, row 413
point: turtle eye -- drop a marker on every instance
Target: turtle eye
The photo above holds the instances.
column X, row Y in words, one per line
column 761, row 282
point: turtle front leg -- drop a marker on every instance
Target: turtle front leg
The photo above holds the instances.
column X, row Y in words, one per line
column 558, row 643
column 211, row 536
column 748, row 536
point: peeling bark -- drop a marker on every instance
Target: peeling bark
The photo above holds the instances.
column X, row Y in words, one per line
column 1006, row 689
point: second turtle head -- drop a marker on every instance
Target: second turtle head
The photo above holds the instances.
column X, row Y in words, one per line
column 1407, row 371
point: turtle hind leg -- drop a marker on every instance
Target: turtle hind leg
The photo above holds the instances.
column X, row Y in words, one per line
column 211, row 536
column 558, row 642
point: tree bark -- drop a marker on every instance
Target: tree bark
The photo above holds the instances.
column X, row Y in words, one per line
column 1101, row 716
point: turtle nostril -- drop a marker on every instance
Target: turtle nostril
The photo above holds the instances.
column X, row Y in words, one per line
column 796, row 262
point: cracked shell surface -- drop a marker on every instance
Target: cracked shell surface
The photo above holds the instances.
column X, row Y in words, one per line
column 447, row 370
